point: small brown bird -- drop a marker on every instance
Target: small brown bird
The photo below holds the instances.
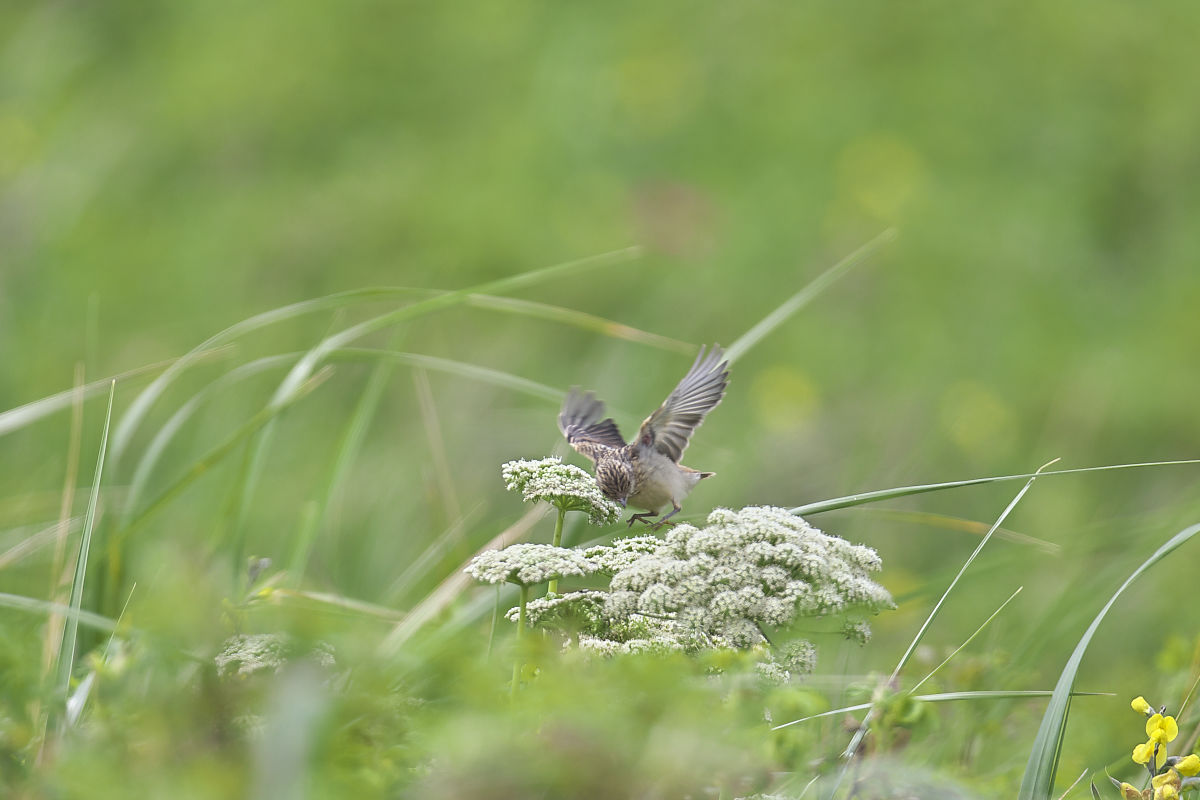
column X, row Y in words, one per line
column 646, row 472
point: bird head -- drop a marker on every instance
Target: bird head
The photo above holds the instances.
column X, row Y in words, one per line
column 614, row 476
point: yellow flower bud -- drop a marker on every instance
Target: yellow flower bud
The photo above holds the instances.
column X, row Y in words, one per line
column 1128, row 792
column 1140, row 705
column 1143, row 752
column 1189, row 766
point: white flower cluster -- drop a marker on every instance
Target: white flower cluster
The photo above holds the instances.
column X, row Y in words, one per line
column 584, row 607
column 760, row 566
column 528, row 564
column 623, row 553
column 244, row 654
column 724, row 585
column 564, row 486
column 658, row 644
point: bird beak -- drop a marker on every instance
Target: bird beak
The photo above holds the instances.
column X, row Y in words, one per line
column 622, row 502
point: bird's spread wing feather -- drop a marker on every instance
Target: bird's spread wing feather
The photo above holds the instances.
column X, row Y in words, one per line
column 580, row 422
column 669, row 429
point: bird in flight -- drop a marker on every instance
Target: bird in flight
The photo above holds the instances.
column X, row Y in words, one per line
column 646, row 472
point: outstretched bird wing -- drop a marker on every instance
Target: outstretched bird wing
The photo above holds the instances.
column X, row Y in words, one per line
column 580, row 422
column 669, row 429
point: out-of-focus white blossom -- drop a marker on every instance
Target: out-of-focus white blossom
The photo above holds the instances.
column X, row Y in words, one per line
column 246, row 654
column 564, row 486
column 528, row 564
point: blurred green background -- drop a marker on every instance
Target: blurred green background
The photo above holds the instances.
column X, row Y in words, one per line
column 167, row 170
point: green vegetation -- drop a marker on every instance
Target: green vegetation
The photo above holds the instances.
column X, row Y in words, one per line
column 343, row 263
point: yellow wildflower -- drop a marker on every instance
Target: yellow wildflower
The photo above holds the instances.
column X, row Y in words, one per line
column 1161, row 729
column 1140, row 705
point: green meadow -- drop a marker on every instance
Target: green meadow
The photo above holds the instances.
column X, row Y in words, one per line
column 287, row 289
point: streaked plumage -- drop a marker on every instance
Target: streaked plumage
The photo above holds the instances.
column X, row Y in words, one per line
column 646, row 472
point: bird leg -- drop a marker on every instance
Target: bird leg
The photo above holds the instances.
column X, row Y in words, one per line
column 641, row 517
column 666, row 517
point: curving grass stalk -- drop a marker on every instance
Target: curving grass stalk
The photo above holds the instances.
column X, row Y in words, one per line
column 1038, row 780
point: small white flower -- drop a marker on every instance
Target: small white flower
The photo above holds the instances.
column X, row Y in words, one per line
column 528, row 564
column 585, row 604
column 564, row 486
column 623, row 553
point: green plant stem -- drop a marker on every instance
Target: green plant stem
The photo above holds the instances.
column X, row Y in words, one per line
column 516, row 679
column 558, row 525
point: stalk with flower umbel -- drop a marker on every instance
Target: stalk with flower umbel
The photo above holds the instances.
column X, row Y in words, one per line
column 567, row 488
column 1170, row 776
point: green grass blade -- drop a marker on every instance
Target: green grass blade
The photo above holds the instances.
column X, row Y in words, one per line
column 578, row 319
column 348, row 449
column 34, row 605
column 1038, row 782
column 946, row 697
column 804, row 296
column 863, row 498
column 962, row 571
column 210, row 459
column 969, row 639
column 66, row 650
column 852, row 748
column 141, row 405
column 332, row 603
column 31, row 412
column 462, row 369
column 238, row 506
column 148, row 462
column 305, row 366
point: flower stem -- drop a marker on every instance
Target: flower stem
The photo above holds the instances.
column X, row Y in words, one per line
column 558, row 525
column 516, row 678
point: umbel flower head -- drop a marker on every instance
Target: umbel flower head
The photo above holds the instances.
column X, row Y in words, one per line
column 528, row 564
column 760, row 566
column 564, row 486
column 723, row 585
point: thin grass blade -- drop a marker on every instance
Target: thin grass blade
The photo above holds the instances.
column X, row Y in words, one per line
column 804, row 296
column 348, row 448
column 1038, row 781
column 578, row 319
column 141, row 405
column 969, row 639
column 214, row 456
column 946, row 697
column 305, row 366
column 34, row 605
column 31, row 412
column 66, row 650
column 903, row 491
column 852, row 748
